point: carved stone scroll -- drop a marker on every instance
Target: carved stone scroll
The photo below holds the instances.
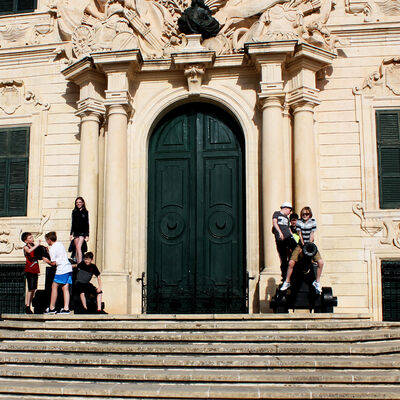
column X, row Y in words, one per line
column 389, row 228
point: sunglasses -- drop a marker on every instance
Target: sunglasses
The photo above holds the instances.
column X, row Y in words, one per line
column 304, row 214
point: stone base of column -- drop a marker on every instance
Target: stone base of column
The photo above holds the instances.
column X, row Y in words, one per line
column 116, row 292
column 269, row 281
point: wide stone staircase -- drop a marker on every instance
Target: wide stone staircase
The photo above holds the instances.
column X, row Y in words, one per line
column 295, row 356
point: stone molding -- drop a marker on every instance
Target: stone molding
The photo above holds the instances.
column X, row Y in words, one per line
column 12, row 228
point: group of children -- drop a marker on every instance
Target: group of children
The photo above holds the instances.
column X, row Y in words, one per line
column 291, row 233
column 58, row 257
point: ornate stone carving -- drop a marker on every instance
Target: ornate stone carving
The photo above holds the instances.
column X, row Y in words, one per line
column 26, row 30
column 373, row 10
column 384, row 81
column 152, row 25
column 389, row 228
column 10, row 95
column 194, row 75
column 6, row 247
column 13, row 96
column 31, row 98
column 10, row 232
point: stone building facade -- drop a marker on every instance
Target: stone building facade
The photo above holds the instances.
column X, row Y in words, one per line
column 109, row 93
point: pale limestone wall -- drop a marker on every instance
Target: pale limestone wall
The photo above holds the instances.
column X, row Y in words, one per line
column 54, row 147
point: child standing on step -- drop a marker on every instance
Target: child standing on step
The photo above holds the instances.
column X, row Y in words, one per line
column 32, row 269
column 63, row 277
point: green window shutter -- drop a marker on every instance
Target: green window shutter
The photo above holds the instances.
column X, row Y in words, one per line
column 388, row 138
column 17, row 6
column 14, row 164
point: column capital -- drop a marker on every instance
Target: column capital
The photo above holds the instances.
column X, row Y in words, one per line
column 268, row 101
column 90, row 107
column 269, row 58
column 302, row 68
column 303, row 96
column 303, row 105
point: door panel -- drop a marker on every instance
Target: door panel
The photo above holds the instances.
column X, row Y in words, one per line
column 195, row 232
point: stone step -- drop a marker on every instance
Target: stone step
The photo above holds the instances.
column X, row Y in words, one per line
column 369, row 348
column 199, row 317
column 62, row 323
column 201, row 336
column 238, row 375
column 202, row 361
column 193, row 391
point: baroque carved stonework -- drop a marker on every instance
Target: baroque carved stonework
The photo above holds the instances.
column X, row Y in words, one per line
column 388, row 228
column 13, row 96
column 10, row 232
column 385, row 81
column 27, row 30
column 151, row 25
column 373, row 10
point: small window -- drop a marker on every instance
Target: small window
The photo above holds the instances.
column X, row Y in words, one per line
column 391, row 290
column 17, row 6
column 14, row 163
column 388, row 138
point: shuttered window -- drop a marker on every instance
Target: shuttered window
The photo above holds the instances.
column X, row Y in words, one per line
column 17, row 6
column 388, row 137
column 14, row 162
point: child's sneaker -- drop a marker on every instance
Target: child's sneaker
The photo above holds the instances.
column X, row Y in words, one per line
column 62, row 311
column 285, row 286
column 317, row 287
column 48, row 311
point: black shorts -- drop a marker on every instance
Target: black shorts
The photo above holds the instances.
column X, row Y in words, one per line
column 86, row 288
column 31, row 280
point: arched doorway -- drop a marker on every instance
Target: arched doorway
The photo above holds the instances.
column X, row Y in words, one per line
column 196, row 238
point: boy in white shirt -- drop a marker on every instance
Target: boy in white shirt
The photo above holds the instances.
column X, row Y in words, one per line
column 63, row 276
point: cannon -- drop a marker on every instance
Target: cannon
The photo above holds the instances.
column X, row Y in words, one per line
column 302, row 294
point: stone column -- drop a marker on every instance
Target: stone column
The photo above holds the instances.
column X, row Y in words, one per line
column 273, row 165
column 91, row 110
column 115, row 190
column 269, row 58
column 118, row 68
column 303, row 97
column 89, row 169
column 306, row 190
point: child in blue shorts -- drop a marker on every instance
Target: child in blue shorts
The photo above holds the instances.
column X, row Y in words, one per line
column 63, row 277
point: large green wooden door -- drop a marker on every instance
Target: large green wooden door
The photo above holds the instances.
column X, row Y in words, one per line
column 195, row 224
